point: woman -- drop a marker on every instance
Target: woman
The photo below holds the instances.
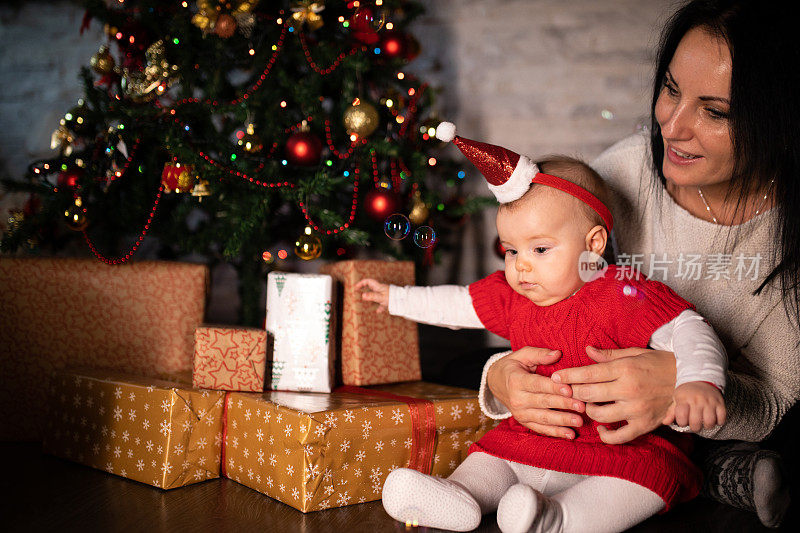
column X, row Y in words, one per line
column 708, row 205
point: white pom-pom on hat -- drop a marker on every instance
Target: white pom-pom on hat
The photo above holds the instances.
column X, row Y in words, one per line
column 446, row 131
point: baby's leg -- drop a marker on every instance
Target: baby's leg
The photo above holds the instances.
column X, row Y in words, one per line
column 588, row 503
column 601, row 503
column 455, row 503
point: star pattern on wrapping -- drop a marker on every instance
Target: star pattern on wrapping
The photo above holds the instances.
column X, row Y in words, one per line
column 223, row 376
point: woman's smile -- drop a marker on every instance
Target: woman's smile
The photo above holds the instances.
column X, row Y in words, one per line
column 679, row 157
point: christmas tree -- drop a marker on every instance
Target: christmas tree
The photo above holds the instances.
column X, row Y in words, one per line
column 248, row 132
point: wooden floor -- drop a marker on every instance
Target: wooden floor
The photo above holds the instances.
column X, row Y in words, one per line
column 45, row 493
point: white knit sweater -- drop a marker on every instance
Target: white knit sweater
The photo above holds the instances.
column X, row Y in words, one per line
column 712, row 268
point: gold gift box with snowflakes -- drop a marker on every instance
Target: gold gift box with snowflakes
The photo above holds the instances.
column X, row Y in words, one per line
column 163, row 433
column 315, row 451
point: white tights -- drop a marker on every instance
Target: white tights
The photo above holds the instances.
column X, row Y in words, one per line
column 527, row 499
column 588, row 503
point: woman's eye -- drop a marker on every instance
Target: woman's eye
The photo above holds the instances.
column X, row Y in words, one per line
column 716, row 113
column 511, row 252
column 540, row 249
column 670, row 88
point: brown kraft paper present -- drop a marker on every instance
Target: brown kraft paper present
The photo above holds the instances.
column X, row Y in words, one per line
column 376, row 348
column 229, row 358
column 57, row 313
column 162, row 433
column 314, row 451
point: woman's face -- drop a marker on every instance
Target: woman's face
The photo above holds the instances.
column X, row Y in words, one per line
column 692, row 110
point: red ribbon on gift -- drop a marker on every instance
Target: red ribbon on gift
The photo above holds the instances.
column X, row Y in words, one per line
column 224, row 434
column 423, row 425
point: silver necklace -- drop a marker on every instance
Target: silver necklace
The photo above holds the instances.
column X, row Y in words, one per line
column 711, row 213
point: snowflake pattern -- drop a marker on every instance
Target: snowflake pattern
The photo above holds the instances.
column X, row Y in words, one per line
column 134, row 446
column 397, row 415
column 350, row 448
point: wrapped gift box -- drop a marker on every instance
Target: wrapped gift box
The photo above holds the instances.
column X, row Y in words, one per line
column 162, row 433
column 376, row 348
column 229, row 358
column 138, row 317
column 316, row 451
column 300, row 321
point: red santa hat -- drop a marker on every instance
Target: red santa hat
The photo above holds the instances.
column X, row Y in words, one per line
column 509, row 175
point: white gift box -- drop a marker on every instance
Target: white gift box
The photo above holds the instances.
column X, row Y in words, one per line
column 300, row 321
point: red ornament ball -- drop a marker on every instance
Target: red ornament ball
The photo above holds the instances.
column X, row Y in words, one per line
column 303, row 149
column 225, row 26
column 362, row 26
column 69, row 178
column 379, row 203
column 393, row 44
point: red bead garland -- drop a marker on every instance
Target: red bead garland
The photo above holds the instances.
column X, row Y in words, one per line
column 352, row 216
column 333, row 66
column 125, row 258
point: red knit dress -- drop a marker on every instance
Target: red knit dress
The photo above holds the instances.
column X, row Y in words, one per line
column 605, row 313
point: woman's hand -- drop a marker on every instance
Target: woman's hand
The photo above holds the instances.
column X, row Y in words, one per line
column 532, row 399
column 640, row 384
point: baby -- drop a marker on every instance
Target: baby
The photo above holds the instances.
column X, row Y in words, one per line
column 555, row 294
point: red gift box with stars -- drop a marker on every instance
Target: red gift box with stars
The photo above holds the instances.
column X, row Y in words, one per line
column 229, row 358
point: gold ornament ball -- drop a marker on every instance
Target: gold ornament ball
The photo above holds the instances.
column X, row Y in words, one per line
column 102, row 62
column 225, row 26
column 361, row 118
column 308, row 246
column 250, row 142
column 186, row 180
column 419, row 211
column 76, row 218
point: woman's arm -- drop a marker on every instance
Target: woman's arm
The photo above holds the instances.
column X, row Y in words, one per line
column 763, row 381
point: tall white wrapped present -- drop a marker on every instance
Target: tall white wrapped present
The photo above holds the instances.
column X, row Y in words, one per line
column 300, row 322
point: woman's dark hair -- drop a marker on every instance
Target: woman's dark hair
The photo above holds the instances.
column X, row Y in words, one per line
column 764, row 115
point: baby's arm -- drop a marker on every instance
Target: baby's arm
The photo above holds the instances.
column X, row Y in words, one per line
column 377, row 292
column 445, row 305
column 701, row 363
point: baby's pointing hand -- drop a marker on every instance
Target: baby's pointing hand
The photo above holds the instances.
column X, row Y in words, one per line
column 376, row 292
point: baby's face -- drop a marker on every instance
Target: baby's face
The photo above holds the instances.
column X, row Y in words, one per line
column 544, row 237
